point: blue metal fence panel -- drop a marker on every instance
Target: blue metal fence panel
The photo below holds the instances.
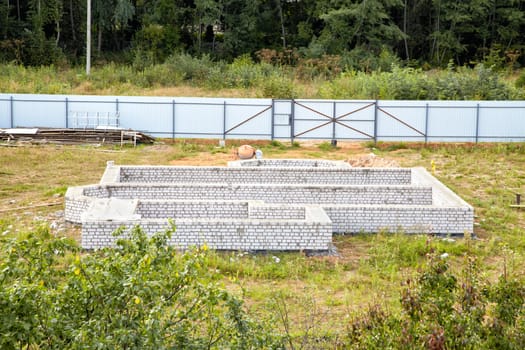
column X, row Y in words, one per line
column 5, row 112
column 355, row 120
column 500, row 120
column 45, row 112
column 452, row 121
column 187, row 117
column 402, row 120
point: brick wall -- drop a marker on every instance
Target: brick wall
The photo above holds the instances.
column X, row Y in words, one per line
column 222, row 234
column 292, row 194
column 311, row 163
column 264, row 175
column 188, row 209
column 408, row 219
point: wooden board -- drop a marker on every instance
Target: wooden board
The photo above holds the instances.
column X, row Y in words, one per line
column 75, row 136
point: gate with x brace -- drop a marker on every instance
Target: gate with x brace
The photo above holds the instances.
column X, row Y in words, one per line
column 312, row 119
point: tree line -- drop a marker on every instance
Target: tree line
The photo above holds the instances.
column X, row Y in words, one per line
column 419, row 32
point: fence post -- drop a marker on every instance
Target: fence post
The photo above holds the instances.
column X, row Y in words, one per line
column 292, row 121
column 116, row 105
column 334, row 108
column 426, row 122
column 67, row 113
column 173, row 119
column 224, row 121
column 11, row 113
column 375, row 121
column 477, row 122
column 273, row 119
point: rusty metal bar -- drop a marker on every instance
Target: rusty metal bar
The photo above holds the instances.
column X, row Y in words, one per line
column 334, row 111
column 173, row 118
column 11, row 112
column 426, row 122
column 67, row 113
column 402, row 122
column 313, row 110
column 477, row 123
column 376, row 121
column 315, row 127
column 354, row 111
column 273, row 119
column 247, row 120
column 292, row 121
column 224, row 120
column 334, row 120
column 359, row 131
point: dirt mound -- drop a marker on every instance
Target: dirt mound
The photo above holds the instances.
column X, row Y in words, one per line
column 371, row 161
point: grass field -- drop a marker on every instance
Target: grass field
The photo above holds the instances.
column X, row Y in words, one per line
column 317, row 295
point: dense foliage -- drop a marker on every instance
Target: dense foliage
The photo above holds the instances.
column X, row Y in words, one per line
column 429, row 32
column 146, row 295
column 245, row 78
column 443, row 311
column 143, row 295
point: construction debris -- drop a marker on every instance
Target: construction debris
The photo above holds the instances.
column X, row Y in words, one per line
column 75, row 136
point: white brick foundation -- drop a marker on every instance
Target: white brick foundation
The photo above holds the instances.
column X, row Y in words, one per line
column 263, row 205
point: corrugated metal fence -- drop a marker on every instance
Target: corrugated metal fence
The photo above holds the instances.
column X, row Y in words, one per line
column 455, row 121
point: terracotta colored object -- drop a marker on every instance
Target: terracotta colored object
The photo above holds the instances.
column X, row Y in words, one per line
column 246, row 152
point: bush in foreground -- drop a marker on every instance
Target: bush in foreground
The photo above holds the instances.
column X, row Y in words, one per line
column 443, row 311
column 143, row 295
column 146, row 295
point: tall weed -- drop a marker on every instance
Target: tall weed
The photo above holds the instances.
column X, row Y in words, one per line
column 442, row 310
column 480, row 83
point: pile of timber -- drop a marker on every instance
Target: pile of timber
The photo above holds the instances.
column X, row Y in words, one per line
column 74, row 136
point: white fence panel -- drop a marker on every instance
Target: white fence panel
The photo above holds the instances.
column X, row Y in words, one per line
column 312, row 119
column 204, row 122
column 355, row 120
column 5, row 111
column 48, row 111
column 501, row 120
column 452, row 121
column 249, row 120
column 402, row 120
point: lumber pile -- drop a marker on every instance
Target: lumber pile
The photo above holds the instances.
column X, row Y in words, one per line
column 75, row 136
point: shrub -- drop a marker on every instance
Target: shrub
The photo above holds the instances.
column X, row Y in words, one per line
column 276, row 86
column 520, row 81
column 362, row 59
column 350, row 85
column 443, row 311
column 141, row 295
column 191, row 68
column 480, row 83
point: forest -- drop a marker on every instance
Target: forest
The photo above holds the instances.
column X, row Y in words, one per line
column 420, row 33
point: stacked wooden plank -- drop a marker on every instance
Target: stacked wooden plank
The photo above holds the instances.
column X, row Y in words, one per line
column 74, row 136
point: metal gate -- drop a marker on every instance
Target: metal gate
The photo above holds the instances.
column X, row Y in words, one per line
column 336, row 120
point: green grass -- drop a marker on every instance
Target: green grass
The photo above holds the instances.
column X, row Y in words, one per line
column 319, row 292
